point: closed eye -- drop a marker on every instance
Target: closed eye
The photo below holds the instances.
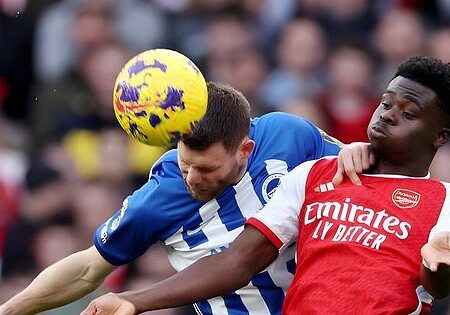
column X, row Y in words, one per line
column 385, row 105
column 409, row 115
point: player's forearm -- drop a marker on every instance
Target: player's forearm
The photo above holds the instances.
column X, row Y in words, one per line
column 436, row 283
column 59, row 284
column 210, row 276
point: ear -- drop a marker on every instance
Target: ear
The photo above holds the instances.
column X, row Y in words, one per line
column 442, row 137
column 246, row 148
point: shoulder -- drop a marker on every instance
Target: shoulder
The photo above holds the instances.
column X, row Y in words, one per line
column 279, row 118
column 164, row 190
column 322, row 166
column 168, row 159
column 278, row 125
column 290, row 138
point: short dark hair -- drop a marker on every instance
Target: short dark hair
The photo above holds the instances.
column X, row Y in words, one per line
column 432, row 73
column 227, row 120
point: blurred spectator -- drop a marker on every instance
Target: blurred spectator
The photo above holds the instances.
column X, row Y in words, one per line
column 16, row 38
column 83, row 98
column 282, row 54
column 300, row 53
column 440, row 167
column 399, row 34
column 439, row 44
column 227, row 35
column 8, row 213
column 53, row 243
column 232, row 57
column 92, row 22
column 307, row 109
column 349, row 100
column 441, row 12
column 245, row 70
column 46, row 200
column 13, row 166
column 110, row 156
column 346, row 20
column 93, row 203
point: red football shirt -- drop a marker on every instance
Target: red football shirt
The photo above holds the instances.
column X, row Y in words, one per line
column 358, row 247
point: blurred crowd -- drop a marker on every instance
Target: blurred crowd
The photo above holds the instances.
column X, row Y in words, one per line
column 65, row 164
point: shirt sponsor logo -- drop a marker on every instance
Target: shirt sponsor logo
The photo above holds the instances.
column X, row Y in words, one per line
column 405, row 198
column 349, row 222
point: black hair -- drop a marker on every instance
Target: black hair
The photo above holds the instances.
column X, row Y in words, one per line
column 226, row 121
column 432, row 73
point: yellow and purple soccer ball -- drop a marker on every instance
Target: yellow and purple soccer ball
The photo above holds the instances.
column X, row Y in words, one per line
column 159, row 95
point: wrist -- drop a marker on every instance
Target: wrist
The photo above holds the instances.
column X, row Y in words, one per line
column 5, row 309
column 128, row 297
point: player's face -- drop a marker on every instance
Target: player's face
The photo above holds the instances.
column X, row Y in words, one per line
column 207, row 172
column 405, row 125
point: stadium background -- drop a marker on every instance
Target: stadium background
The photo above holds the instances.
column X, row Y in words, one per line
column 65, row 164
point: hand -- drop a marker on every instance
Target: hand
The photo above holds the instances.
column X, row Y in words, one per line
column 109, row 304
column 437, row 251
column 353, row 160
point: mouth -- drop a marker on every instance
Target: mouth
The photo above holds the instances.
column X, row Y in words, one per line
column 378, row 131
column 198, row 191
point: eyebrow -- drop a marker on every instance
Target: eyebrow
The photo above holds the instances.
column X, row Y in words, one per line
column 410, row 98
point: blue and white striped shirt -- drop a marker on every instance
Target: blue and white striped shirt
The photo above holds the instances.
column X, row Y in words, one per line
column 163, row 210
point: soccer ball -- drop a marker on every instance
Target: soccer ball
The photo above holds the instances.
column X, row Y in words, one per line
column 159, row 95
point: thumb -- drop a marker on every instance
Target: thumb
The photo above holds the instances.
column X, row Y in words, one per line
column 434, row 266
column 89, row 310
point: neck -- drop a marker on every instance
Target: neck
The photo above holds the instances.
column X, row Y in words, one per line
column 404, row 169
column 399, row 161
column 240, row 173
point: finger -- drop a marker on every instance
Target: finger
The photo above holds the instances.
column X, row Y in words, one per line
column 339, row 175
column 365, row 158
column 337, row 179
column 434, row 267
column 357, row 161
column 351, row 169
column 354, row 178
column 90, row 310
column 372, row 158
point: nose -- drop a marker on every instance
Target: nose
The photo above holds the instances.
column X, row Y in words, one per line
column 193, row 177
column 388, row 116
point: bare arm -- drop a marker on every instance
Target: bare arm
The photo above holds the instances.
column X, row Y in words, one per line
column 211, row 276
column 436, row 254
column 61, row 283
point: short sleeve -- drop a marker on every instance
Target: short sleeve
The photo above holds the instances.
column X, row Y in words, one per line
column 152, row 213
column 277, row 133
column 279, row 219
